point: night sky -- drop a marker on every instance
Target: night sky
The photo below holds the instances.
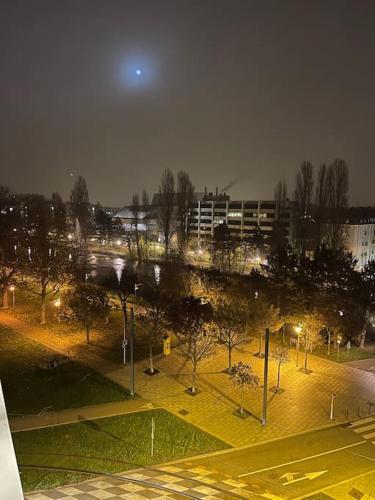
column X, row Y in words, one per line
column 227, row 89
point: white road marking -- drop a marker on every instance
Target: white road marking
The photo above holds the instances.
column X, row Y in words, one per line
column 301, row 459
column 365, row 429
column 360, row 422
column 289, row 476
column 369, row 436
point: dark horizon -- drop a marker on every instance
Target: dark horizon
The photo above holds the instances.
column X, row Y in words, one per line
column 227, row 90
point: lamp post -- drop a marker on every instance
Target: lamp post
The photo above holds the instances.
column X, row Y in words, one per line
column 332, row 402
column 339, row 338
column 132, row 372
column 265, row 376
column 298, row 330
column 12, row 288
column 58, row 305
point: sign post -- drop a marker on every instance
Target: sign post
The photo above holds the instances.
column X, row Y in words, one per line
column 166, row 345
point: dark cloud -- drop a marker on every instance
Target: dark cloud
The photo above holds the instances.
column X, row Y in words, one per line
column 229, row 89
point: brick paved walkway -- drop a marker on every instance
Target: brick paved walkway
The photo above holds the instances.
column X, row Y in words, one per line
column 304, row 405
column 179, row 481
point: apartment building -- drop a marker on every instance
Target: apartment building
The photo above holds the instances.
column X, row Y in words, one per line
column 359, row 234
column 242, row 217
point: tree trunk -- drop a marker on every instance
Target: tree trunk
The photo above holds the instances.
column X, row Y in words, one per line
column 151, row 357
column 43, row 320
column 305, row 357
column 5, row 298
column 166, row 246
column 241, row 404
column 329, row 342
column 87, row 334
column 193, row 389
column 229, row 358
column 278, row 377
column 363, row 339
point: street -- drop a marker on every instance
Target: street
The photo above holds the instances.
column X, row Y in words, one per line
column 333, row 463
column 298, row 466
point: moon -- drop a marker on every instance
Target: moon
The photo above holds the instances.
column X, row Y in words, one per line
column 138, row 72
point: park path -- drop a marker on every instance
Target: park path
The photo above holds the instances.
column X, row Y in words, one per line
column 53, row 418
column 304, row 405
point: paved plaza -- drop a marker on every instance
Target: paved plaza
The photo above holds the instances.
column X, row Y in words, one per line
column 304, row 404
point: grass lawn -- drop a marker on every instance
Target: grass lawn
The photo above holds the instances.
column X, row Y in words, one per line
column 355, row 353
column 105, row 339
column 29, row 389
column 108, row 445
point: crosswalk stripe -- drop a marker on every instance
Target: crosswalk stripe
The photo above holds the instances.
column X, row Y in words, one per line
column 361, row 422
column 369, row 436
column 365, row 429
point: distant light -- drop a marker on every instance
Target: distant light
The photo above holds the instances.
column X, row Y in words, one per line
column 118, row 242
column 138, row 72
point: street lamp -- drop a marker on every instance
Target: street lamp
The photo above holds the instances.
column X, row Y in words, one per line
column 339, row 339
column 298, row 330
column 58, row 305
column 12, row 288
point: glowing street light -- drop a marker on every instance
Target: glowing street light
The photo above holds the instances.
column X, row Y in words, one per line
column 12, row 288
column 58, row 305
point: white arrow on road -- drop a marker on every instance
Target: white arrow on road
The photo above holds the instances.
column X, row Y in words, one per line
column 289, row 476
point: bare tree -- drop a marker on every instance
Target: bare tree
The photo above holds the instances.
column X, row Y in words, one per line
column 229, row 321
column 312, row 325
column 303, row 202
column 242, row 376
column 79, row 200
column 280, row 195
column 146, row 234
column 10, row 255
column 185, row 196
column 321, row 201
column 166, row 206
column 191, row 319
column 304, row 189
column 135, row 210
column 337, row 201
column 47, row 263
column 261, row 315
column 281, row 356
column 89, row 304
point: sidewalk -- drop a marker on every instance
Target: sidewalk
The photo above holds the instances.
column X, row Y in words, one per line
column 304, row 405
column 50, row 419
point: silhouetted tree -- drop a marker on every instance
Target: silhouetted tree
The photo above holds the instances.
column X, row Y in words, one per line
column 79, row 200
column 166, row 209
column 89, row 304
column 135, row 210
column 243, row 377
column 191, row 319
column 185, row 197
column 230, row 321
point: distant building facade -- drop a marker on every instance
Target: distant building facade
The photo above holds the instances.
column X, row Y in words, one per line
column 359, row 234
column 243, row 218
column 208, row 210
